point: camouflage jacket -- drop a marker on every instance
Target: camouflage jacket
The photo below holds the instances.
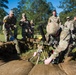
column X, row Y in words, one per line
column 69, row 25
column 9, row 22
column 54, row 19
column 25, row 24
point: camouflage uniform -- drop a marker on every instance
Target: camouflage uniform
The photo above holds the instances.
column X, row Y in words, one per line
column 69, row 25
column 63, row 36
column 63, row 44
column 8, row 26
column 25, row 28
column 54, row 19
column 50, row 28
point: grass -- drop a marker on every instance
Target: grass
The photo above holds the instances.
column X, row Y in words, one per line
column 2, row 37
column 29, row 53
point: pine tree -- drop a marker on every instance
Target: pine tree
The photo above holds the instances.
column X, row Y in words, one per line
column 69, row 9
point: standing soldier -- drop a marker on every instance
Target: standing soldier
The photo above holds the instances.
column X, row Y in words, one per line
column 9, row 25
column 25, row 24
column 55, row 25
column 54, row 18
column 62, row 46
column 62, row 37
column 69, row 24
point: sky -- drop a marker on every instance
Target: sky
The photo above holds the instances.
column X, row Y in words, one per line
column 56, row 4
column 14, row 3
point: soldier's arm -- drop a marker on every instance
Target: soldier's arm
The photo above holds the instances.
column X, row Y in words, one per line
column 49, row 20
column 63, row 44
column 5, row 19
column 65, row 24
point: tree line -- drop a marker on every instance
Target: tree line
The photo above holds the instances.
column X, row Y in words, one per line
column 39, row 10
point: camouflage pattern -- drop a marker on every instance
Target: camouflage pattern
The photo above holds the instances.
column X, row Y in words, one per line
column 69, row 24
column 52, row 28
column 64, row 40
column 9, row 26
column 17, row 46
column 63, row 44
column 26, row 29
column 54, row 19
column 10, row 30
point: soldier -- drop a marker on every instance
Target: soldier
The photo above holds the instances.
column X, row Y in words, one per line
column 69, row 24
column 54, row 18
column 56, row 22
column 25, row 24
column 62, row 46
column 62, row 37
column 9, row 24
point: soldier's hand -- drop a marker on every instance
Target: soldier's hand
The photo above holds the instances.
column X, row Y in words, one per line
column 10, row 28
column 47, row 61
column 35, row 53
column 26, row 30
column 30, row 31
column 15, row 26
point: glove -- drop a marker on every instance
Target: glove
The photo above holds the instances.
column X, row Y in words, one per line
column 26, row 30
column 35, row 53
column 47, row 61
column 15, row 26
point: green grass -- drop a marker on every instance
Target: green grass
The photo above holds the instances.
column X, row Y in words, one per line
column 29, row 53
column 2, row 38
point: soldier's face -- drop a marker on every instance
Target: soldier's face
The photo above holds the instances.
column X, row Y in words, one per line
column 54, row 13
column 68, row 19
column 11, row 15
column 23, row 16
